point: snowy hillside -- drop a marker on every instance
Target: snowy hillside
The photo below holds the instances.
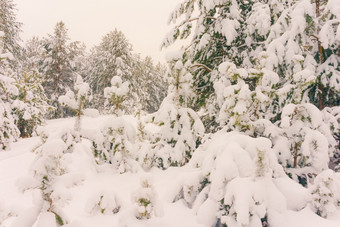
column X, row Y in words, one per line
column 97, row 195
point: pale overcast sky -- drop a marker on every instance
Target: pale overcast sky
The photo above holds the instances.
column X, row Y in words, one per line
column 144, row 22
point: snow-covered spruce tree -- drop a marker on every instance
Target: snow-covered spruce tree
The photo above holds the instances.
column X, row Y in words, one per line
column 11, row 30
column 34, row 54
column 152, row 85
column 112, row 57
column 60, row 164
column 116, row 95
column 323, row 27
column 8, row 130
column 305, row 143
column 57, row 66
column 115, row 143
column 325, row 193
column 180, row 128
column 30, row 105
column 48, row 166
column 146, row 201
column 76, row 100
column 238, row 182
column 303, row 46
column 104, row 202
column 242, row 104
column 221, row 31
column 331, row 116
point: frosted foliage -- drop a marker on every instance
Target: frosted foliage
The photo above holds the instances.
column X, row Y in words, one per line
column 147, row 202
column 239, row 106
column 237, row 179
column 105, row 202
column 229, row 29
column 115, row 144
column 180, row 129
column 68, row 100
column 8, row 130
column 117, row 89
column 259, row 21
column 76, row 101
column 326, row 193
column 60, row 164
column 305, row 140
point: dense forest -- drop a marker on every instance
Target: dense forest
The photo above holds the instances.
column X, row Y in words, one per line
column 247, row 111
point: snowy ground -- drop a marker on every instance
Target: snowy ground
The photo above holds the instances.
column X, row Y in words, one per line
column 17, row 208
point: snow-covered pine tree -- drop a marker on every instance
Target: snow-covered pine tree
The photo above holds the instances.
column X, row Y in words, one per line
column 116, row 95
column 8, row 130
column 303, row 45
column 180, row 128
column 250, row 59
column 221, row 31
column 238, row 182
column 34, row 54
column 305, row 143
column 147, row 201
column 30, row 105
column 325, row 193
column 57, row 66
column 152, row 83
column 324, row 29
column 112, row 57
column 11, row 29
column 76, row 100
column 115, row 143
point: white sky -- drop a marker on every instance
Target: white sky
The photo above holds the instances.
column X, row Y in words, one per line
column 144, row 22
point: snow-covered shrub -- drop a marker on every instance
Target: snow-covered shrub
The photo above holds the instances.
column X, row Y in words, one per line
column 61, row 163
column 331, row 117
column 238, row 182
column 50, row 171
column 305, row 144
column 326, row 193
column 116, row 94
column 30, row 105
column 115, row 144
column 104, row 203
column 76, row 101
column 49, row 165
column 179, row 133
column 8, row 130
column 146, row 201
column 179, row 128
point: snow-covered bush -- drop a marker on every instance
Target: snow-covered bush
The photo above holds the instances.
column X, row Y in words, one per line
column 8, row 130
column 180, row 128
column 326, row 193
column 305, row 144
column 30, row 105
column 331, row 117
column 115, row 144
column 60, row 164
column 76, row 102
column 104, row 203
column 238, row 182
column 180, row 132
column 50, row 164
column 116, row 94
column 146, row 201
